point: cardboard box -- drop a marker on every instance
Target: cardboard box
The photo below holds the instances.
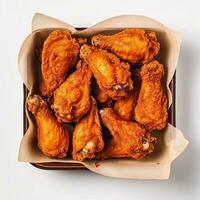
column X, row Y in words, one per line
column 155, row 166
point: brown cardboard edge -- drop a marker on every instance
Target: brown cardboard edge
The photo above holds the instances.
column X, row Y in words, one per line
column 69, row 166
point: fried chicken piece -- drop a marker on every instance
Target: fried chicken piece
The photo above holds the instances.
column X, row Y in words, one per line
column 129, row 139
column 151, row 109
column 72, row 99
column 59, row 54
column 87, row 135
column 125, row 107
column 113, row 76
column 101, row 96
column 53, row 138
column 133, row 45
column 103, row 100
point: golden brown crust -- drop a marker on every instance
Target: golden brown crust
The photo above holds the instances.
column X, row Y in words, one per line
column 53, row 138
column 125, row 107
column 101, row 97
column 59, row 54
column 128, row 138
column 72, row 98
column 113, row 76
column 87, row 135
column 133, row 45
column 151, row 109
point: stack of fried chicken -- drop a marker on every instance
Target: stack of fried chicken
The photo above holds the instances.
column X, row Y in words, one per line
column 109, row 89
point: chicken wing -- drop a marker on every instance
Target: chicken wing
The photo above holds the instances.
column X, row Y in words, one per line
column 59, row 54
column 72, row 99
column 53, row 138
column 103, row 100
column 128, row 138
column 101, row 96
column 113, row 76
column 151, row 109
column 87, row 135
column 125, row 107
column 133, row 45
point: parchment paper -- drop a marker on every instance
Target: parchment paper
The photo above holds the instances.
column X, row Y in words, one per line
column 171, row 142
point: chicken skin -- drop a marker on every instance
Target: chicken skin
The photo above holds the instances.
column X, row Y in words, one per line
column 128, row 138
column 101, row 96
column 103, row 100
column 125, row 107
column 133, row 45
column 53, row 138
column 72, row 99
column 59, row 54
column 151, row 109
column 87, row 135
column 113, row 76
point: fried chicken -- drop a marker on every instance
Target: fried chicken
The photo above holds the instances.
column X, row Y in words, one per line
column 128, row 138
column 113, row 76
column 151, row 109
column 101, row 96
column 87, row 135
column 72, row 99
column 59, row 54
column 103, row 100
column 133, row 45
column 53, row 138
column 125, row 107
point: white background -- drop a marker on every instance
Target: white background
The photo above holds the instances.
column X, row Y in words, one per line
column 23, row 181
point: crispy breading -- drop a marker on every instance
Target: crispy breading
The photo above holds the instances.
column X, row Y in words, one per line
column 129, row 139
column 133, row 45
column 87, row 135
column 52, row 137
column 125, row 107
column 59, row 54
column 112, row 76
column 151, row 109
column 72, row 99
